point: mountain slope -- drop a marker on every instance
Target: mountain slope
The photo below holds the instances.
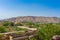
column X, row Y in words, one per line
column 34, row 19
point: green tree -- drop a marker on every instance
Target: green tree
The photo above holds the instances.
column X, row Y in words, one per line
column 48, row 31
column 3, row 29
column 7, row 23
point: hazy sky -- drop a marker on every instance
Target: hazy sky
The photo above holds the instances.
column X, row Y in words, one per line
column 13, row 8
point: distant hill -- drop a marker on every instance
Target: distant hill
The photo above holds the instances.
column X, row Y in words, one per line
column 40, row 19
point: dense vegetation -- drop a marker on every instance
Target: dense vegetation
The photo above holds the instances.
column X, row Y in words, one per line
column 48, row 31
column 9, row 27
column 44, row 31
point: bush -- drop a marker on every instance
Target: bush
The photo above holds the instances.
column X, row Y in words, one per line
column 32, row 38
column 7, row 23
column 18, row 24
column 2, row 29
column 48, row 31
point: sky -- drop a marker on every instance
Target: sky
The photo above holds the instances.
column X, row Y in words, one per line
column 14, row 8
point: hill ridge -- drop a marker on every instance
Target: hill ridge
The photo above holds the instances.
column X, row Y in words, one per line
column 40, row 19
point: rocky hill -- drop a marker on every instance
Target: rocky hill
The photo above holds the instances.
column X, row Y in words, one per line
column 40, row 19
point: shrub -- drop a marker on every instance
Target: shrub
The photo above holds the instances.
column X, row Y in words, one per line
column 48, row 31
column 2, row 29
column 18, row 24
column 7, row 23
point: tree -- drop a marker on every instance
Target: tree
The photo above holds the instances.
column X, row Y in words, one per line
column 2, row 29
column 7, row 23
column 48, row 31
